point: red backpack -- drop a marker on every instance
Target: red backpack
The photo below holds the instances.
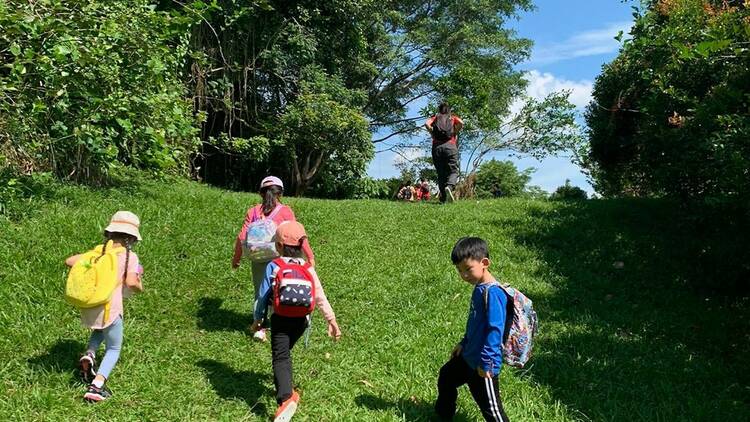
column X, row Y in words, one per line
column 293, row 289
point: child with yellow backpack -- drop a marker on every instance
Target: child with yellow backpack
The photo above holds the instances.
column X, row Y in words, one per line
column 97, row 282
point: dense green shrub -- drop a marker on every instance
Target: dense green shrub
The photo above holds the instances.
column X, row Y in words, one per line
column 369, row 188
column 568, row 192
column 501, row 178
column 670, row 114
column 92, row 85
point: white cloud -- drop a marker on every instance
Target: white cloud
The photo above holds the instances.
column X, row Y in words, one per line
column 588, row 43
column 407, row 154
column 542, row 84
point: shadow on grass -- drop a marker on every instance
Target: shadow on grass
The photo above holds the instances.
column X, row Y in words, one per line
column 405, row 409
column 631, row 335
column 244, row 385
column 61, row 357
column 212, row 318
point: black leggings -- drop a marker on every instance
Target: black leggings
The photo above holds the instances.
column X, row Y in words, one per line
column 285, row 332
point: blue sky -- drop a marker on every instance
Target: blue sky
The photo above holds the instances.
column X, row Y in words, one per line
column 572, row 40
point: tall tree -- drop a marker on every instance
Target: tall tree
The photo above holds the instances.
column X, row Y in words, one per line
column 250, row 58
column 670, row 113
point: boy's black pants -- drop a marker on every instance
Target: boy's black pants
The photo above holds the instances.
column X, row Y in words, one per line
column 285, row 332
column 485, row 391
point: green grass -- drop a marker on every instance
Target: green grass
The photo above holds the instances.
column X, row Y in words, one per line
column 615, row 344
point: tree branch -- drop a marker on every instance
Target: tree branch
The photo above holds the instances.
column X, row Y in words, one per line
column 396, row 133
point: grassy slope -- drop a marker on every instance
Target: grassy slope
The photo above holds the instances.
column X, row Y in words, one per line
column 614, row 344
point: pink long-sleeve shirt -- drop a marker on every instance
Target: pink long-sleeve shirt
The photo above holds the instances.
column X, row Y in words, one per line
column 284, row 214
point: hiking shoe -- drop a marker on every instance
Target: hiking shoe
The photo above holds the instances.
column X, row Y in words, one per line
column 286, row 410
column 87, row 367
column 449, row 194
column 96, row 394
column 260, row 335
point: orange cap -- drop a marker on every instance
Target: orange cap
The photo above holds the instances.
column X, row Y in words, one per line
column 290, row 233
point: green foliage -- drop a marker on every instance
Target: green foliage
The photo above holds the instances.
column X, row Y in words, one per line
column 501, row 178
column 541, row 128
column 416, row 169
column 90, row 86
column 670, row 114
column 317, row 130
column 251, row 61
column 251, row 65
column 459, row 51
column 369, row 188
column 568, row 192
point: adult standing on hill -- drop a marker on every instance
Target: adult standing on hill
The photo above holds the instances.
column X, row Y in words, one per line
column 444, row 128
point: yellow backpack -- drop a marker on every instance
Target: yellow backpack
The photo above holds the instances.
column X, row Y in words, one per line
column 93, row 278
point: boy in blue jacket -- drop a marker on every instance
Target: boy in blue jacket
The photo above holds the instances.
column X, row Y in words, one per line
column 477, row 358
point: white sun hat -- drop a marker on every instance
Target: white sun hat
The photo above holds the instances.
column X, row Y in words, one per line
column 125, row 222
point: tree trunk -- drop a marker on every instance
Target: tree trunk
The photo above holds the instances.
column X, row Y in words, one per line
column 306, row 175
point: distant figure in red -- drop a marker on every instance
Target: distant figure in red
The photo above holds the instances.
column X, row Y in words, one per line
column 423, row 190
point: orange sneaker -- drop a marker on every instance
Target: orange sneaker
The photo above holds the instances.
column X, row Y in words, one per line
column 286, row 410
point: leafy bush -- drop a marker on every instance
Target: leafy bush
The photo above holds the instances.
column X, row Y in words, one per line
column 501, row 178
column 92, row 84
column 568, row 192
column 369, row 188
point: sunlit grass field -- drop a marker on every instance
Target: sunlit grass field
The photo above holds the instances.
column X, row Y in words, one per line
column 617, row 341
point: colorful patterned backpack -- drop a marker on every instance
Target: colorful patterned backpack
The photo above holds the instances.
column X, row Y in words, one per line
column 520, row 326
column 259, row 243
column 293, row 289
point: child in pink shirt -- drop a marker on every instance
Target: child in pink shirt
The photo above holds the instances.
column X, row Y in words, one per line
column 122, row 232
column 271, row 190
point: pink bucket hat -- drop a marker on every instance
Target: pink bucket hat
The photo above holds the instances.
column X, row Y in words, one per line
column 290, row 233
column 271, row 181
column 125, row 222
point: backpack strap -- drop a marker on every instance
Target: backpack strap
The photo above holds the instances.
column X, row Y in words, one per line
column 508, row 309
column 487, row 295
column 258, row 212
column 276, row 210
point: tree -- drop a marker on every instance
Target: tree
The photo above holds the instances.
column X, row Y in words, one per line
column 459, row 51
column 669, row 114
column 501, row 178
column 568, row 192
column 317, row 130
column 250, row 59
column 541, row 128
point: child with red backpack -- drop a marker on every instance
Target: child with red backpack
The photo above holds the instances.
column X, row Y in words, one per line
column 263, row 218
column 293, row 288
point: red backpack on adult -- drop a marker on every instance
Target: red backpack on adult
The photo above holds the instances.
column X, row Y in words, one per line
column 293, row 289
